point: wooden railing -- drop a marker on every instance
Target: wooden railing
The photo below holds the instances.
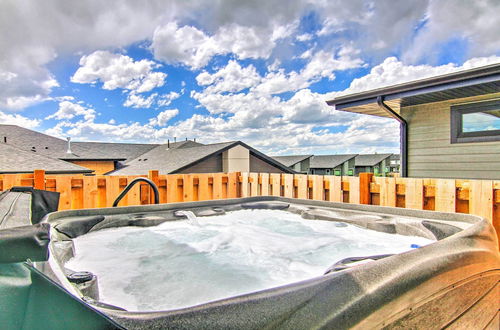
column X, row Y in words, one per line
column 479, row 197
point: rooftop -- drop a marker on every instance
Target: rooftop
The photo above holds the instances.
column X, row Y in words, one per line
column 15, row 160
column 370, row 159
column 329, row 161
column 291, row 160
column 461, row 84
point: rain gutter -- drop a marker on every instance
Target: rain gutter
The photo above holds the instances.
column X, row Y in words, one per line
column 403, row 131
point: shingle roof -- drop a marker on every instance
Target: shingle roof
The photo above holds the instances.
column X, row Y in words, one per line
column 181, row 155
column 329, row 161
column 290, row 160
column 168, row 160
column 127, row 151
column 370, row 159
column 15, row 160
column 47, row 145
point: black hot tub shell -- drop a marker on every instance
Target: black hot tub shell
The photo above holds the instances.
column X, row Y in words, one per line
column 450, row 283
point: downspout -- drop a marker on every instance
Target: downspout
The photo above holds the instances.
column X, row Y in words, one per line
column 403, row 130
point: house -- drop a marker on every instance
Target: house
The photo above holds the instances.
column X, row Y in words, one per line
column 377, row 164
column 38, row 143
column 299, row 163
column 332, row 164
column 15, row 160
column 193, row 157
column 449, row 124
column 394, row 163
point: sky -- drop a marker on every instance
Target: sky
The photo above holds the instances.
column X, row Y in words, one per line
column 225, row 70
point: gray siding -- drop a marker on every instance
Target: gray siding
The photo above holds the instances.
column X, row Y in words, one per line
column 258, row 165
column 210, row 165
column 430, row 153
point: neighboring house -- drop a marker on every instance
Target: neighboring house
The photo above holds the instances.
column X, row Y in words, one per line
column 14, row 160
column 377, row 164
column 332, row 164
column 120, row 152
column 193, row 157
column 300, row 163
column 395, row 163
column 45, row 145
column 449, row 124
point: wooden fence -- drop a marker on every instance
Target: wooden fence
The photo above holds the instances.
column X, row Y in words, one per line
column 479, row 197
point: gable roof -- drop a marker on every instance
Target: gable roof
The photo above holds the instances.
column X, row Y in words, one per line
column 329, row 161
column 370, row 159
column 15, row 160
column 465, row 83
column 291, row 160
column 47, row 145
column 125, row 151
column 181, row 155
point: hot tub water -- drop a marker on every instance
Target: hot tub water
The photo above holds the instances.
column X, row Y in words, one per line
column 181, row 263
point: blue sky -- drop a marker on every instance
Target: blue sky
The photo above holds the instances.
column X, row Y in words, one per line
column 255, row 71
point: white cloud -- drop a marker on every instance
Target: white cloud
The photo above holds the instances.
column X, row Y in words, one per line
column 69, row 110
column 321, row 65
column 475, row 22
column 193, row 47
column 138, row 101
column 163, row 117
column 16, row 119
column 231, row 78
column 118, row 71
column 393, row 71
column 165, row 99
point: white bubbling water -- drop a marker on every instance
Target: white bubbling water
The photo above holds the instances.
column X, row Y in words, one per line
column 177, row 264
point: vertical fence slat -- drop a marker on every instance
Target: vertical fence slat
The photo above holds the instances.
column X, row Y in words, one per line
column 63, row 186
column 264, row 188
column 387, row 192
column 481, row 198
column 11, row 180
column 154, row 176
column 353, row 189
column 288, row 185
column 301, row 186
column 318, row 190
column 446, row 192
column 188, row 187
column 254, row 184
column 217, row 186
column 364, row 188
column 335, row 190
column 414, row 195
column 244, row 185
column 112, row 189
column 89, row 192
column 134, row 194
column 275, row 184
column 203, row 188
column 39, row 179
column 172, row 188
column 232, row 185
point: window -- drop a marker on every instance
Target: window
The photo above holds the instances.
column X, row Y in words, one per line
column 475, row 122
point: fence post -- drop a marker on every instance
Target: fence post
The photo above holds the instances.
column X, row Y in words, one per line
column 153, row 176
column 39, row 179
column 364, row 188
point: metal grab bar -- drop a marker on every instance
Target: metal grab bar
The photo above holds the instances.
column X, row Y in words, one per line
column 131, row 184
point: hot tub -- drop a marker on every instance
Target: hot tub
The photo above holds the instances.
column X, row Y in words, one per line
column 358, row 266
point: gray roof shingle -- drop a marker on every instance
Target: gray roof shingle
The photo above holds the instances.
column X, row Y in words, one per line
column 168, row 160
column 47, row 145
column 370, row 159
column 183, row 154
column 127, row 151
column 290, row 160
column 329, row 161
column 15, row 160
